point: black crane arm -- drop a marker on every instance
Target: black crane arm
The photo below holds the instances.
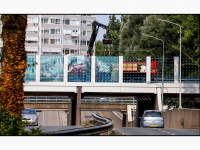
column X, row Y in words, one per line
column 95, row 28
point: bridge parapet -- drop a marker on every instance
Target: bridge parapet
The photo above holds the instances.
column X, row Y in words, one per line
column 82, row 69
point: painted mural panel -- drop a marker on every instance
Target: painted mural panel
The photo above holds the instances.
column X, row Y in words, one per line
column 107, row 69
column 30, row 73
column 79, row 69
column 51, row 69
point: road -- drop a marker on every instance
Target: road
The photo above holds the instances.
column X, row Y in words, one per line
column 156, row 131
column 49, row 118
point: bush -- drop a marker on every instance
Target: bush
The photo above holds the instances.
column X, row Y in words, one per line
column 13, row 125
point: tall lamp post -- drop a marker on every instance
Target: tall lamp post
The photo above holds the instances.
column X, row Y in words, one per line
column 162, row 62
column 180, row 105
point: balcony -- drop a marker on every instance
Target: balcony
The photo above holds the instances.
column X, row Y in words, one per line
column 75, row 34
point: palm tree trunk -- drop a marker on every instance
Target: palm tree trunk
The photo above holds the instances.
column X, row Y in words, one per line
column 13, row 63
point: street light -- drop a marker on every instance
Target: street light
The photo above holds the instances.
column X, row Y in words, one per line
column 162, row 62
column 180, row 106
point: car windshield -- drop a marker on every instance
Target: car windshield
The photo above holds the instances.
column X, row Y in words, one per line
column 153, row 114
column 28, row 111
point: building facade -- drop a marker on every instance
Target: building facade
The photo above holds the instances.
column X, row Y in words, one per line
column 57, row 34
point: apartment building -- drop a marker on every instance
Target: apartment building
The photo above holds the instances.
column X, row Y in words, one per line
column 57, row 34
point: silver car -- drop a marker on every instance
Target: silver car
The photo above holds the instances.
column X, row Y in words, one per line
column 152, row 118
column 29, row 117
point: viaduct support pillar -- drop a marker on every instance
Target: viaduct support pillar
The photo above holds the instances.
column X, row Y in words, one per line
column 124, row 120
column 76, row 108
column 137, row 120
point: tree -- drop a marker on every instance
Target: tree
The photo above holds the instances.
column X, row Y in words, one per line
column 100, row 49
column 114, row 29
column 14, row 64
column 130, row 35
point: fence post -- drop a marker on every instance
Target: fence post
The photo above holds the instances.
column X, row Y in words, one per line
column 176, row 67
column 120, row 69
column 65, row 68
column 37, row 67
column 148, row 73
column 93, row 69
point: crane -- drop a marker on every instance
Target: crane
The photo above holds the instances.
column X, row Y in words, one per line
column 106, row 37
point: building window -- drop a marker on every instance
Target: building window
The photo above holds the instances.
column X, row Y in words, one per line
column 45, row 20
column 83, row 23
column 74, row 22
column 54, row 41
column 83, row 42
column 31, row 41
column 75, row 42
column 67, row 31
column 65, row 51
column 66, row 22
column 83, row 51
column 67, row 41
column 45, row 41
column 88, row 41
column 55, row 31
column 55, row 20
column 71, row 51
column 89, row 33
column 89, row 23
column 31, row 52
column 45, row 31
column 32, row 20
column 83, row 33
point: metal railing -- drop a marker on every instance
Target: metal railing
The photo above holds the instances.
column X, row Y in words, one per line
column 104, row 125
column 64, row 99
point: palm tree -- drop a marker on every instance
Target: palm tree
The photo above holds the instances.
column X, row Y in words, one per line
column 13, row 63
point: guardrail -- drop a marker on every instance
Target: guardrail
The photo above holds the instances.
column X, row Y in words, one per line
column 104, row 125
column 60, row 99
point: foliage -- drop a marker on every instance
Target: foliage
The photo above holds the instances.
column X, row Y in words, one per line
column 114, row 29
column 182, row 122
column 13, row 125
column 174, row 102
column 130, row 36
column 100, row 49
column 14, row 63
column 170, row 34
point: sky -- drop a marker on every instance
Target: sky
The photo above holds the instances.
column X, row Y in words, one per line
column 104, row 19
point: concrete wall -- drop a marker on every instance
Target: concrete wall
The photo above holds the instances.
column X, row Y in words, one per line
column 172, row 118
column 109, row 114
column 116, row 121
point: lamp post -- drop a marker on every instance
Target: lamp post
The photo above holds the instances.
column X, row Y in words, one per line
column 180, row 105
column 162, row 62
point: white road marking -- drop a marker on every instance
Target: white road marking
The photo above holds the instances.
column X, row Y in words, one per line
column 167, row 132
column 158, row 129
column 163, row 131
column 173, row 134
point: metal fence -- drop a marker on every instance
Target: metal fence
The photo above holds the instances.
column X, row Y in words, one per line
column 134, row 70
column 156, row 70
column 190, row 70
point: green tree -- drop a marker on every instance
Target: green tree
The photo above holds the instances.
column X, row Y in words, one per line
column 114, row 29
column 100, row 48
column 130, row 35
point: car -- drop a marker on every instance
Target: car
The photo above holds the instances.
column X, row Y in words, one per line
column 29, row 117
column 152, row 118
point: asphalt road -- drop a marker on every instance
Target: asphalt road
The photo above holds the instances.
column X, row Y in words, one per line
column 156, row 131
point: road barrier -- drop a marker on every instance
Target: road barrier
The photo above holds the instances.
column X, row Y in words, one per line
column 103, row 125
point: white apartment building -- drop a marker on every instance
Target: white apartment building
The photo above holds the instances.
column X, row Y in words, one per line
column 57, row 34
